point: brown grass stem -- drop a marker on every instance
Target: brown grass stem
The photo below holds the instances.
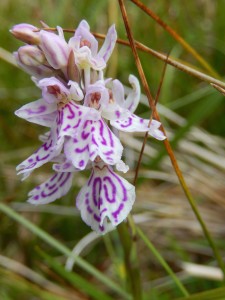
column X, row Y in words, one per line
column 166, row 142
column 177, row 37
column 175, row 63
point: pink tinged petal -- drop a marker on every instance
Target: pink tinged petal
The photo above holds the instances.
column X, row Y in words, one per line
column 52, row 189
column 26, row 33
column 114, row 112
column 109, row 44
column 135, row 124
column 38, row 112
column 106, row 200
column 122, row 167
column 118, row 92
column 66, row 166
column 52, row 89
column 83, row 33
column 98, row 90
column 77, row 149
column 55, row 49
column 84, row 59
column 94, row 139
column 75, row 91
column 42, row 155
column 133, row 97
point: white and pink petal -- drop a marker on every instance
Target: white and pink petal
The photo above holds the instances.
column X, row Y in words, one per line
column 109, row 44
column 136, row 124
column 41, row 156
column 133, row 97
column 54, row 188
column 106, row 200
column 38, row 112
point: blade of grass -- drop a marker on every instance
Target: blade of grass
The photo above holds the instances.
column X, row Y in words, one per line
column 201, row 111
column 167, row 144
column 17, row 285
column 162, row 261
column 75, row 279
column 128, row 242
column 177, row 37
column 214, row 294
column 146, row 134
column 64, row 250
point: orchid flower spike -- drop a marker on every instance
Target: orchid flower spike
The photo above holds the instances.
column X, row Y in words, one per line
column 84, row 113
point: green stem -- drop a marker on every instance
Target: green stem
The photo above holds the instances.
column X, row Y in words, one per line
column 162, row 262
column 131, row 261
column 64, row 250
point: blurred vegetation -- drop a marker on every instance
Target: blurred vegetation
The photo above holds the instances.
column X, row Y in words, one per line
column 197, row 128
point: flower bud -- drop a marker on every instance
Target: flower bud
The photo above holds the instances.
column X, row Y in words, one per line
column 31, row 56
column 55, row 49
column 39, row 71
column 26, row 33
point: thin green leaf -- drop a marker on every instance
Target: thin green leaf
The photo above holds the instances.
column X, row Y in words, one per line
column 199, row 112
column 162, row 261
column 75, row 279
column 64, row 250
column 214, row 294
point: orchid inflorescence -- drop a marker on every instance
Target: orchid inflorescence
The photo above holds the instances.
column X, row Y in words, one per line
column 84, row 112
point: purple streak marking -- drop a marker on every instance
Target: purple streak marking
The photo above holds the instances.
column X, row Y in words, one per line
column 106, row 187
column 81, row 150
column 129, row 123
column 78, row 123
column 108, row 152
column 67, row 127
column 121, row 184
column 97, row 218
column 85, row 135
column 105, row 209
column 116, row 213
column 43, row 158
column 72, row 114
column 40, row 110
column 111, row 138
column 97, row 187
column 117, row 113
column 65, row 180
column 49, row 194
column 81, row 163
column 53, row 177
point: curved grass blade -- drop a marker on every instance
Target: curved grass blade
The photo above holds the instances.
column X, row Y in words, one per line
column 64, row 250
column 177, row 37
column 162, row 261
column 214, row 294
column 75, row 279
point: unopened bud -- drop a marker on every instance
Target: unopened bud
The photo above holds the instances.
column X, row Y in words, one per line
column 26, row 33
column 39, row 71
column 55, row 49
column 31, row 56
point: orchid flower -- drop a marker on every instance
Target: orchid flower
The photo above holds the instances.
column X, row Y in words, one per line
column 84, row 113
column 85, row 47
